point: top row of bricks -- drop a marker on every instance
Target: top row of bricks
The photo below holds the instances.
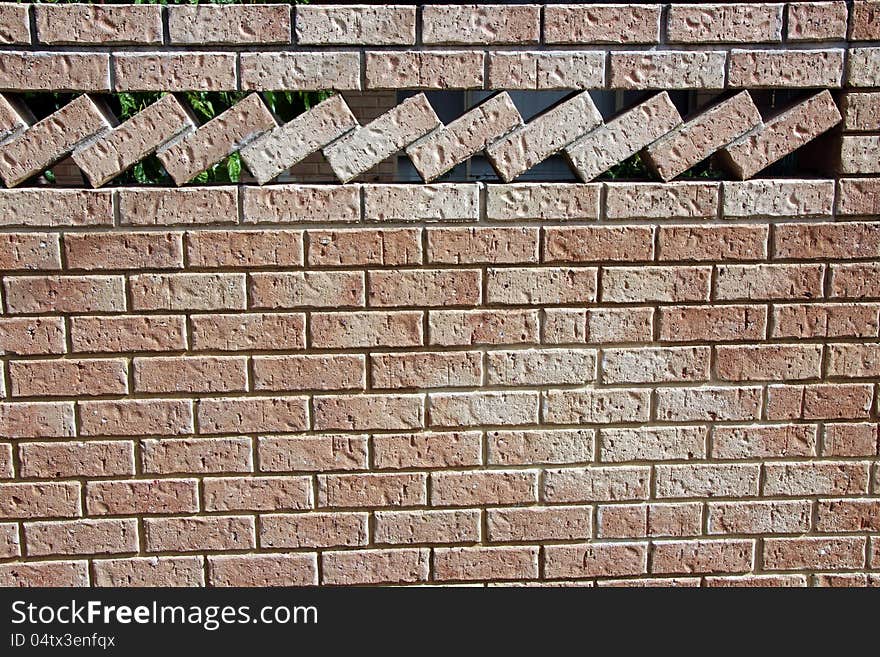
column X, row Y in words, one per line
column 440, row 24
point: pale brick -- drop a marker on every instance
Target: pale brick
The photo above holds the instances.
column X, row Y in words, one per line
column 415, row 69
column 617, row 325
column 859, row 154
column 13, row 118
column 601, row 24
column 45, row 573
column 293, row 373
column 426, row 370
column 37, row 420
column 778, row 517
column 724, row 23
column 133, row 140
column 257, row 493
column 10, row 545
column 543, row 136
column 481, row 24
column 703, row 556
column 623, row 137
column 707, row 480
column 464, row 137
column 312, row 453
column 367, row 329
column 762, row 442
column 768, row 282
column 65, row 294
column 318, row 289
column 263, row 570
column 655, row 444
column 128, row 333
column 482, row 245
column 861, row 112
column 851, row 440
column 483, row 563
column 16, row 25
column 300, row 71
column 241, row 24
column 32, row 335
column 196, row 455
column 708, row 404
column 763, row 581
column 356, row 25
column 464, row 409
column 147, row 250
column 241, row 124
column 816, row 478
column 31, row 251
column 81, row 537
column 595, row 559
column 816, row 21
column 785, row 68
column 187, row 291
column 38, row 500
column 542, row 202
column 441, row 202
column 54, row 71
column 365, row 147
column 596, row 484
column 372, row 490
column 496, row 487
column 473, row 327
column 47, row 141
column 68, row 378
column 663, row 284
column 133, row 417
column 814, row 552
column 595, row 406
column 385, row 247
column 157, row 496
column 669, row 69
column 406, row 527
column 540, row 367
column 542, row 69
column 173, row 207
column 681, row 200
column 427, row 287
column 655, row 365
column 319, row 530
column 768, row 362
column 366, row 412
column 243, row 332
column 271, row 154
column 175, row 71
column 778, row 198
column 555, row 523
column 199, row 534
column 781, row 135
column 98, row 24
column 246, row 414
column 537, row 447
column 539, row 286
column 190, row 374
column 375, row 566
column 427, row 450
column 712, row 324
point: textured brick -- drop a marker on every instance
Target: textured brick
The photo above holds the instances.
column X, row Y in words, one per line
column 241, row 332
column 367, row 329
column 175, row 207
column 229, row 25
column 671, row 69
column 482, row 245
column 128, row 333
column 596, row 484
column 785, row 68
column 848, row 515
column 768, row 362
column 496, row 487
column 427, row 450
column 428, row 287
column 542, row 201
column 826, row 320
column 671, row 284
column 312, row 453
column 593, row 406
column 480, row 24
column 542, row 69
column 37, row 420
column 461, row 409
column 655, row 444
column 134, row 417
column 174, row 71
column 375, row 566
column 364, row 147
column 39, row 500
column 10, row 545
column 858, row 280
column 725, row 23
column 713, row 324
column 257, row 493
column 851, row 440
column 815, row 478
column 97, row 251
column 271, row 154
column 693, row 141
column 54, row 71
column 318, row 289
column 366, row 412
column 535, row 447
column 707, row 480
column 16, row 25
column 125, row 145
column 426, row 370
column 778, row 517
column 47, row 141
column 755, row 581
column 467, row 135
column 481, row 563
column 865, row 19
column 541, row 286
column 158, row 496
column 32, row 335
column 708, row 403
column 472, row 327
column 269, row 248
column 301, row 71
column 195, row 374
column 244, row 122
column 595, row 559
column 540, row 524
column 199, row 534
column 313, row 530
column 816, row 21
column 68, row 378
column 859, row 154
column 758, row 441
column 31, row 251
column 253, row 414
column 601, row 24
column 541, row 367
column 385, row 247
column 405, row 527
column 371, row 490
column 81, row 537
column 423, row 69
column 829, row 401
column 754, row 282
column 854, row 360
column 598, row 243
column 778, row 198
column 75, row 294
column 685, row 200
column 45, row 573
column 187, row 291
column 263, row 570
column 356, row 25
column 443, row 202
column 814, row 552
column 98, row 25
column 860, row 111
column 703, row 556
column 543, row 136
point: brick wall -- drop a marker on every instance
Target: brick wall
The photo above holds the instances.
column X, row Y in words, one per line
column 609, row 382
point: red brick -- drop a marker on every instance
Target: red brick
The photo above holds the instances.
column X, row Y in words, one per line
column 191, row 374
column 474, row 327
column 64, row 294
column 414, row 69
column 840, row 401
column 229, row 25
column 81, row 537
column 713, row 324
column 173, row 207
column 814, row 552
column 32, row 335
column 95, row 251
column 313, row 530
column 859, row 281
column 816, row 21
column 595, row 559
column 494, row 408
column 387, row 247
column 598, row 244
column 540, row 523
column 199, row 534
column 149, row 571
column 16, row 25
column 37, row 420
column 76, row 459
column 366, row 329
column 266, row 248
column 782, row 517
column 45, row 573
column 187, row 291
column 51, row 71
column 406, row 527
column 371, row 490
column 142, row 496
column 856, row 515
column 653, row 365
column 175, row 71
column 481, row 24
column 197, row 455
column 703, row 556
column 252, row 331
column 98, row 25
column 128, row 333
column 768, row 362
column 426, row 370
column 427, row 287
column 365, row 412
column 497, row 487
column 427, row 450
column 257, row 493
column 320, row 289
column 725, row 23
column 653, row 444
column 847, row 439
column 596, row 484
column 865, row 21
column 768, row 282
column 294, row 373
column 356, row 25
column 595, row 406
column 482, row 245
column 785, row 68
column 312, row 453
column 826, row 320
column 67, row 377
column 134, row 417
column 670, row 69
column 20, row 500
column 485, row 563
column 253, row 414
column 375, row 566
column 263, row 570
column 32, row 251
column 718, row 243
column 541, row 446
column 815, row 478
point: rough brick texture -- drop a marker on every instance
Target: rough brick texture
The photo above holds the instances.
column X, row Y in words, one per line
column 483, row 379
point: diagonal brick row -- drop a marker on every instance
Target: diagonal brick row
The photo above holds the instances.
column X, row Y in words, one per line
column 733, row 129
